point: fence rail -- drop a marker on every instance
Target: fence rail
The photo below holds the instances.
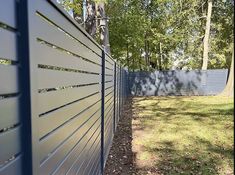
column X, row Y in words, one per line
column 60, row 94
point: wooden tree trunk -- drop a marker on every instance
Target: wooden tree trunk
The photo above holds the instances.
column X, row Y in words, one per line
column 95, row 21
column 90, row 23
column 140, row 67
column 160, row 59
column 127, row 55
column 229, row 89
column 145, row 52
column 207, row 36
column 103, row 26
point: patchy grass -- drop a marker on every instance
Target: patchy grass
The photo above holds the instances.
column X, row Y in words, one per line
column 183, row 135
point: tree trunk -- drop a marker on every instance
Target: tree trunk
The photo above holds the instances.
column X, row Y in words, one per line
column 127, row 55
column 90, row 23
column 207, row 36
column 140, row 61
column 95, row 21
column 145, row 52
column 160, row 59
column 103, row 24
column 228, row 90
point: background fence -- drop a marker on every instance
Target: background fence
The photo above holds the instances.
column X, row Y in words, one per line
column 60, row 94
column 177, row 82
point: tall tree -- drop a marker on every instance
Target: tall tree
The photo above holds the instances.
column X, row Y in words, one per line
column 95, row 21
column 102, row 22
column 229, row 89
column 207, row 36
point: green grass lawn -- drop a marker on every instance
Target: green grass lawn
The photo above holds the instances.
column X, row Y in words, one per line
column 183, row 135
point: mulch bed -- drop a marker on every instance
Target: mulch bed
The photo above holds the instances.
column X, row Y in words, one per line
column 121, row 159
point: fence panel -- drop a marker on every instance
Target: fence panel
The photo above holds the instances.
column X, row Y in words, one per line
column 109, row 105
column 178, row 82
column 68, row 85
column 63, row 100
column 10, row 121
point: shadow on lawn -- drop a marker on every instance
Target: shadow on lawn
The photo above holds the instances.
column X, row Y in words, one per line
column 167, row 158
column 188, row 162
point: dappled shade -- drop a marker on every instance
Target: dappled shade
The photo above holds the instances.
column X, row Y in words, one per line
column 177, row 135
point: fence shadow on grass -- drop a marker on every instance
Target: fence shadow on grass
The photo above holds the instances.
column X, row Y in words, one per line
column 199, row 154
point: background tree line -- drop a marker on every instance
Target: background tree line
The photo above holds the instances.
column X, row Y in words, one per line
column 161, row 34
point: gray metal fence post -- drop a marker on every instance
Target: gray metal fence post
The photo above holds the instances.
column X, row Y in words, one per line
column 119, row 106
column 25, row 89
column 114, row 102
column 102, row 110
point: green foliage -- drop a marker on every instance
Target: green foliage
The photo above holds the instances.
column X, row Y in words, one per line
column 75, row 5
column 138, row 27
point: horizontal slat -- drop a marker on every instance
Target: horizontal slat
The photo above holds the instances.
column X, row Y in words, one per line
column 56, row 99
column 109, row 58
column 96, row 168
column 109, row 62
column 108, row 78
column 49, row 56
column 8, row 13
column 7, row 44
column 54, row 139
column 108, row 98
column 80, row 167
column 108, row 128
column 54, row 119
column 51, row 34
column 57, row 157
column 12, row 168
column 108, row 71
column 109, row 90
column 10, row 144
column 108, row 84
column 107, row 121
column 9, row 112
column 107, row 109
column 92, row 152
column 95, row 161
column 78, row 153
column 57, row 17
column 109, row 113
column 55, row 78
column 76, row 167
column 108, row 65
column 8, row 79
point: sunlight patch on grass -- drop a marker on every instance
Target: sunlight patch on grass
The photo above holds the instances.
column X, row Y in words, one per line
column 187, row 135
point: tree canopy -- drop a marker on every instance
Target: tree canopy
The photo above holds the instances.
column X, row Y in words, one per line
column 161, row 34
column 166, row 34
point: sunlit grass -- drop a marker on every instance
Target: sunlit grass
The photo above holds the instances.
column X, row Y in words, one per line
column 185, row 135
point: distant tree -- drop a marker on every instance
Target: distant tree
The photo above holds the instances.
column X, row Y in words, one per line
column 229, row 89
column 95, row 21
column 207, row 36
